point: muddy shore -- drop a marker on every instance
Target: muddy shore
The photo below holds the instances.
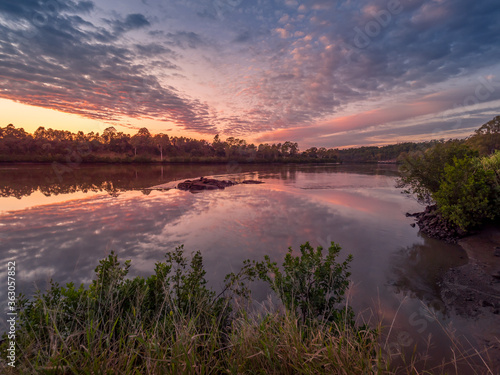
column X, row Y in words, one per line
column 473, row 290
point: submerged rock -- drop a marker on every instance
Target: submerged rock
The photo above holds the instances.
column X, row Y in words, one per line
column 204, row 183
column 252, row 182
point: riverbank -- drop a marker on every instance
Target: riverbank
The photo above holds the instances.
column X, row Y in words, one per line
column 473, row 290
column 432, row 223
column 113, row 159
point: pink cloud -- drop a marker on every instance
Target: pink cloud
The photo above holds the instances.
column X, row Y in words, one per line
column 406, row 110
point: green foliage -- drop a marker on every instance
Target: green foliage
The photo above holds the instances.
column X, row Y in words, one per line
column 373, row 154
column 114, row 307
column 104, row 316
column 422, row 173
column 311, row 284
column 466, row 196
column 492, row 163
column 486, row 139
column 171, row 323
column 465, row 188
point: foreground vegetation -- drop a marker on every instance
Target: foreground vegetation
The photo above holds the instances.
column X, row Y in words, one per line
column 171, row 322
column 461, row 177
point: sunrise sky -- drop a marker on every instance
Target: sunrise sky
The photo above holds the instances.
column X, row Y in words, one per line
column 321, row 72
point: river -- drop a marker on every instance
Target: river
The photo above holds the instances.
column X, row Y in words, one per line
column 58, row 221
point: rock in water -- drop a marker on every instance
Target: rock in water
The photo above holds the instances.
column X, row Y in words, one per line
column 252, row 182
column 432, row 223
column 204, row 183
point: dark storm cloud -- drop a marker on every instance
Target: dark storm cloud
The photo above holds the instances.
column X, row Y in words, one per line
column 51, row 57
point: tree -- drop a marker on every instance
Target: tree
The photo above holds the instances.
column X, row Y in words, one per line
column 422, row 172
column 466, row 195
column 40, row 133
column 15, row 140
column 162, row 142
column 487, row 138
column 289, row 148
column 142, row 141
column 218, row 146
column 311, row 152
column 264, row 151
column 492, row 163
column 108, row 134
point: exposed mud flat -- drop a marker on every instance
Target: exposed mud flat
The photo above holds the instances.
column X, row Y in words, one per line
column 473, row 290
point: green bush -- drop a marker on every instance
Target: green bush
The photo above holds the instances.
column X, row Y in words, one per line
column 465, row 188
column 310, row 284
column 422, row 173
column 492, row 163
column 171, row 323
column 466, row 196
column 114, row 309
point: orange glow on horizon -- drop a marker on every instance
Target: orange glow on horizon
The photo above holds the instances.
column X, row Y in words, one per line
column 31, row 117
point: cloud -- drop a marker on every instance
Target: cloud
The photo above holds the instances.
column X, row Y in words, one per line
column 154, row 49
column 316, row 67
column 186, row 39
column 131, row 22
column 243, row 37
column 437, row 115
column 264, row 69
column 71, row 65
column 281, row 32
column 23, row 8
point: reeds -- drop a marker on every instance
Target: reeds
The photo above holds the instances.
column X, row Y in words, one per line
column 170, row 323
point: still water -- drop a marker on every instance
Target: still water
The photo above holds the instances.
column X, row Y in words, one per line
column 58, row 223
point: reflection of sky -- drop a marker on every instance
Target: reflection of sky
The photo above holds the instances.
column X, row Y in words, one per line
column 36, row 198
column 65, row 240
column 363, row 213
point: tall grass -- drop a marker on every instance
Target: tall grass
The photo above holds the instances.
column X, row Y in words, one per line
column 171, row 323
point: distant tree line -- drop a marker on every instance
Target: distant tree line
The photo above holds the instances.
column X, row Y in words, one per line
column 390, row 153
column 112, row 146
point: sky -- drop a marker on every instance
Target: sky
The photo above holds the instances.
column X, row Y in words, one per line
column 325, row 73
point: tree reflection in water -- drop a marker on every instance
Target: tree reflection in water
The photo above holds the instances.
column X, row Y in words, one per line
column 20, row 180
column 418, row 270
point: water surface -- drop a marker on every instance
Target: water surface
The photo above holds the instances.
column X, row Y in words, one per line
column 58, row 224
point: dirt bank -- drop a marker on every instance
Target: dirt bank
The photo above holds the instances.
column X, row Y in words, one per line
column 473, row 290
